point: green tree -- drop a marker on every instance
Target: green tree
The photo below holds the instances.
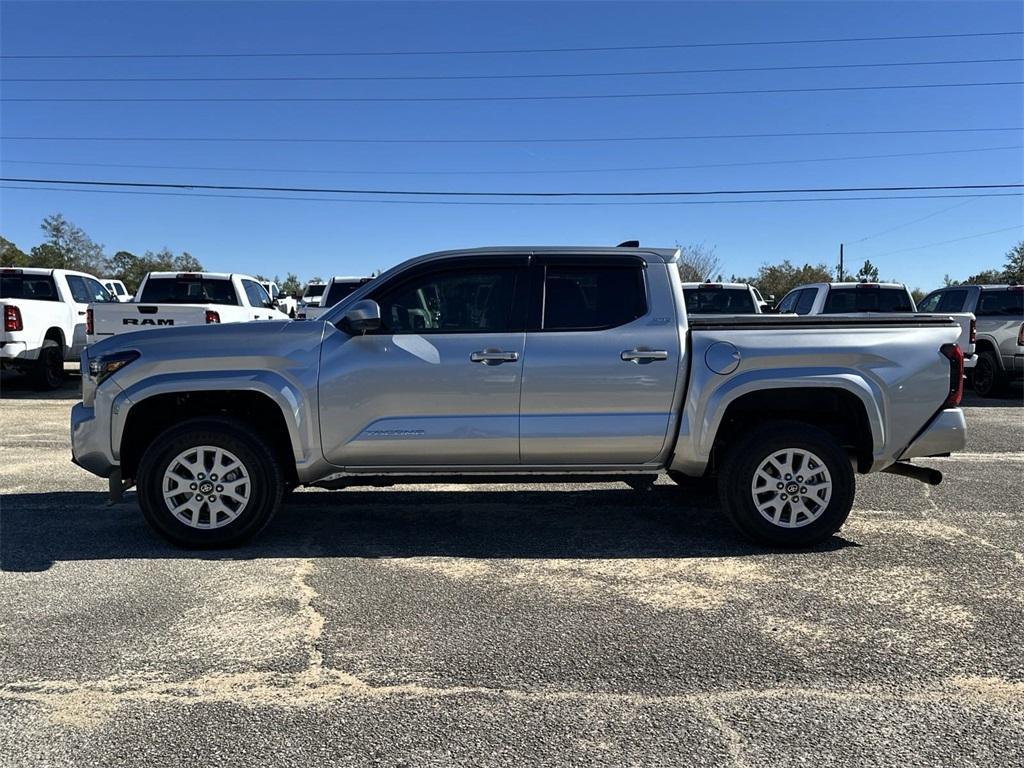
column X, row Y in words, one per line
column 290, row 286
column 698, row 263
column 11, row 255
column 69, row 246
column 778, row 279
column 986, row 277
column 1013, row 270
column 867, row 274
column 917, row 294
column 186, row 262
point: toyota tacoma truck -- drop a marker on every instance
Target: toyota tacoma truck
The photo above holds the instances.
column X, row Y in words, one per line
column 519, row 365
column 44, row 314
column 174, row 299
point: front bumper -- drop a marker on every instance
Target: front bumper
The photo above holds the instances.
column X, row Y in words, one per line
column 90, row 442
column 946, row 433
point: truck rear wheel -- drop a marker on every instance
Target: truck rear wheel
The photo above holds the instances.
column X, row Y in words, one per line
column 209, row 483
column 988, row 380
column 787, row 484
column 48, row 372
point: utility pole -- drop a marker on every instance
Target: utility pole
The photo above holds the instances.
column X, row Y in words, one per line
column 839, row 276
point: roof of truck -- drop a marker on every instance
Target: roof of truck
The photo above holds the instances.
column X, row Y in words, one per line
column 43, row 271
column 203, row 275
column 708, row 283
column 653, row 254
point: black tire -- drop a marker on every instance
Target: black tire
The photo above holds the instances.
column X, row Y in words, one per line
column 741, row 463
column 987, row 378
column 256, row 456
column 48, row 372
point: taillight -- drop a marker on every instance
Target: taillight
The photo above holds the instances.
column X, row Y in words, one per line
column 12, row 318
column 974, row 330
column 88, row 321
column 955, row 355
column 212, row 317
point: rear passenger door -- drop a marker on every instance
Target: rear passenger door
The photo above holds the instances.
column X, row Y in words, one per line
column 601, row 363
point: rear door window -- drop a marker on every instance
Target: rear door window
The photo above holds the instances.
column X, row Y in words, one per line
column 1007, row 302
column 591, row 298
column 806, row 301
column 189, row 290
column 952, row 301
column 867, row 299
column 718, row 301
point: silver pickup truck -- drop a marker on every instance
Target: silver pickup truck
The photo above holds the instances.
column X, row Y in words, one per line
column 535, row 364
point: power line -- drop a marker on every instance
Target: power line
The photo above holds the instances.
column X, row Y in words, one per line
column 908, row 223
column 563, row 140
column 641, row 73
column 478, row 52
column 461, row 193
column 506, row 202
column 555, row 97
column 946, row 242
column 560, row 172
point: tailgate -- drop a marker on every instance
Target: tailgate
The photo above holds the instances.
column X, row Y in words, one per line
column 113, row 318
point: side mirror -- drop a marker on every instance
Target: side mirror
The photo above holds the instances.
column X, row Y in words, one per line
column 362, row 316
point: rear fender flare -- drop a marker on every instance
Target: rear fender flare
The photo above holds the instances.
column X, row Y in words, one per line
column 702, row 416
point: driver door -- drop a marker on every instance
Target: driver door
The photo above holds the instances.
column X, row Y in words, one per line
column 438, row 385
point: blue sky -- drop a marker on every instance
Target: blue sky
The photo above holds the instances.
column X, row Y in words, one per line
column 343, row 237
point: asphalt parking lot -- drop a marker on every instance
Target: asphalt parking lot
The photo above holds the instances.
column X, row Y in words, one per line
column 504, row 625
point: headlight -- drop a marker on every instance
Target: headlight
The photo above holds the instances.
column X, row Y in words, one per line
column 105, row 366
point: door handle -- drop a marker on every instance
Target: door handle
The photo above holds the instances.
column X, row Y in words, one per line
column 493, row 357
column 644, row 355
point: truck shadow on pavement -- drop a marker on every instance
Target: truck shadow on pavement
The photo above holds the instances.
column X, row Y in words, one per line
column 17, row 386
column 38, row 530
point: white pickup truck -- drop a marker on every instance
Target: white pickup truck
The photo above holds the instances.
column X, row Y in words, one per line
column 184, row 298
column 867, row 298
column 337, row 289
column 44, row 313
column 722, row 299
column 284, row 302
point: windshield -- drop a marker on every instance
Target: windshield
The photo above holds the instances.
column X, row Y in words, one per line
column 188, row 290
column 37, row 287
column 873, row 298
column 339, row 290
column 718, row 301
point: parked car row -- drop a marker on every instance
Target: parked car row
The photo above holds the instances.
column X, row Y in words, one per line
column 82, row 309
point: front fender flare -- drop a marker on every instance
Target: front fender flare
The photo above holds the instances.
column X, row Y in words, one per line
column 300, row 415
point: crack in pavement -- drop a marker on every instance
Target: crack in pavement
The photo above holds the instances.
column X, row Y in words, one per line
column 67, row 698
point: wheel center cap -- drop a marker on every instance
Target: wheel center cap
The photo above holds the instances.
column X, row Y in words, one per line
column 792, row 488
column 206, row 487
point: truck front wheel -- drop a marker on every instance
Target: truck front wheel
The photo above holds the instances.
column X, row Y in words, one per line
column 209, row 483
column 787, row 484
